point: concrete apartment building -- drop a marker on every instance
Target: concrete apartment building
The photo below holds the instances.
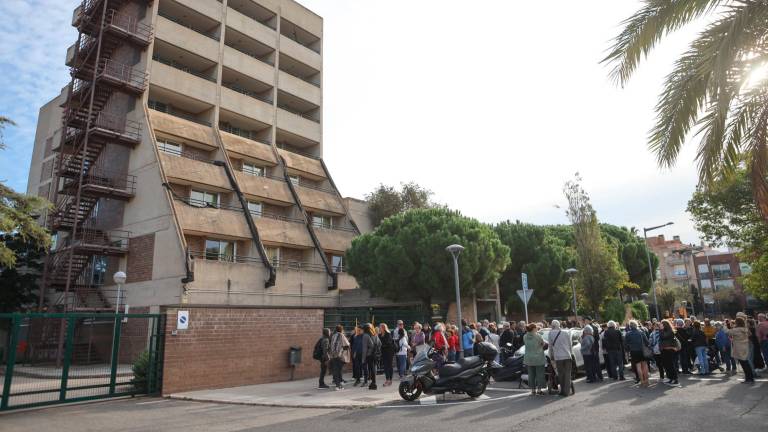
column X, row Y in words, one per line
column 676, row 266
column 188, row 151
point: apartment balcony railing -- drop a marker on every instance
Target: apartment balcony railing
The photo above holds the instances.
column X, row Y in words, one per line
column 189, row 26
column 276, row 217
column 249, row 93
column 130, row 25
column 345, row 228
column 97, row 176
column 317, row 188
column 304, row 44
column 170, row 111
column 185, row 154
column 117, row 124
column 114, row 72
column 244, row 259
column 299, row 113
column 297, row 151
column 182, row 68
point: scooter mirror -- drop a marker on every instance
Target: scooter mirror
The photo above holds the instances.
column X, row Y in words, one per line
column 509, row 345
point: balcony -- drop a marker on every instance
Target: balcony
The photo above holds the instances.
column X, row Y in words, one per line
column 246, row 275
column 185, row 82
column 180, row 127
column 303, row 164
column 117, row 24
column 210, row 221
column 208, row 8
column 335, row 239
column 248, row 65
column 264, row 187
column 247, row 147
column 187, row 39
column 300, row 53
column 297, row 86
column 246, row 106
column 191, row 171
column 300, row 70
column 251, row 28
column 298, row 125
column 118, row 75
column 320, row 200
column 277, row 230
column 96, row 181
column 105, row 125
column 93, row 240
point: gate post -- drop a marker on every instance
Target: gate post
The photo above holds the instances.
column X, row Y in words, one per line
column 115, row 353
column 12, row 347
column 70, row 342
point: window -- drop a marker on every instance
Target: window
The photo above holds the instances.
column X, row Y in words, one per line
column 706, row 284
column 203, row 198
column 221, row 250
column 337, row 263
column 703, row 269
column 254, row 170
column 169, row 147
column 254, row 208
column 273, row 254
column 294, row 179
column 721, row 270
column 679, row 270
column 321, row 221
column 99, row 270
column 725, row 283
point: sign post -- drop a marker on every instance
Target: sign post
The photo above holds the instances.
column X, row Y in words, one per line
column 525, row 294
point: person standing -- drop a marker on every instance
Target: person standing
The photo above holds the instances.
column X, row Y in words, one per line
column 468, row 341
column 402, row 353
column 684, row 336
column 323, row 354
column 699, row 343
column 507, row 337
column 388, row 348
column 723, row 344
column 358, row 371
column 560, row 350
column 534, row 358
column 740, row 344
column 339, row 355
column 637, row 343
column 453, row 344
column 655, row 340
column 756, row 355
column 587, row 345
column 669, row 346
column 371, row 352
column 613, row 342
column 762, row 335
column 440, row 344
column 418, row 339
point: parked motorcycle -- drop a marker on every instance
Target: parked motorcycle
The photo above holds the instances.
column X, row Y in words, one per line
column 469, row 375
column 511, row 367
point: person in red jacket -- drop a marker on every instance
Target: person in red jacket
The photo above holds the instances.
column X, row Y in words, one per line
column 440, row 344
column 453, row 343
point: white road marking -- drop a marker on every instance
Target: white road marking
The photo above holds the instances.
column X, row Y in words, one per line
column 508, row 389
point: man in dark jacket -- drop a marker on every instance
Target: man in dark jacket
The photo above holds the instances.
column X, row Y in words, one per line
column 613, row 343
column 595, row 347
column 325, row 356
column 683, row 334
column 507, row 337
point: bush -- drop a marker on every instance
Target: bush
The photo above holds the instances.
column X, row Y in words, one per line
column 141, row 372
column 639, row 310
column 614, row 311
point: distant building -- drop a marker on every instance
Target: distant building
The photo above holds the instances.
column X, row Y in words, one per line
column 717, row 271
column 675, row 262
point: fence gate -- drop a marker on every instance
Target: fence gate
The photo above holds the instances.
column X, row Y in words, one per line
column 51, row 358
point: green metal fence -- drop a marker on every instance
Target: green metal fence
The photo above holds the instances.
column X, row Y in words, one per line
column 349, row 317
column 51, row 358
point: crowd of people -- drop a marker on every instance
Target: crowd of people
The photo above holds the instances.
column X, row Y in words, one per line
column 669, row 347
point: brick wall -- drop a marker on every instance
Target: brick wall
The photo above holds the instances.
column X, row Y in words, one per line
column 140, row 258
column 228, row 347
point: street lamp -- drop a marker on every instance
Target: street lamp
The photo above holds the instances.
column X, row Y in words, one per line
column 650, row 267
column 571, row 273
column 455, row 251
column 119, row 279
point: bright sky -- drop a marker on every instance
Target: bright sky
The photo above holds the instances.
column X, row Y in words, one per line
column 491, row 104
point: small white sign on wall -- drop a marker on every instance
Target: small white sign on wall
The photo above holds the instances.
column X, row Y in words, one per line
column 182, row 320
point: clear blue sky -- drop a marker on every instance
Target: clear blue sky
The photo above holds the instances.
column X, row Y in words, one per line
column 491, row 104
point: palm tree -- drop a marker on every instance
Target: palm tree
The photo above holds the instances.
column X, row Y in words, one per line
column 717, row 85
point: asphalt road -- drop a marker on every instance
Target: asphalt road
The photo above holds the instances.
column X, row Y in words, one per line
column 717, row 404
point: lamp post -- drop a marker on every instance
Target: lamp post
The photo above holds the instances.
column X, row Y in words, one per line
column 572, row 273
column 119, row 279
column 455, row 251
column 650, row 267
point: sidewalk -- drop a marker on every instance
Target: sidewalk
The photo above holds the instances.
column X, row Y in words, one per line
column 296, row 394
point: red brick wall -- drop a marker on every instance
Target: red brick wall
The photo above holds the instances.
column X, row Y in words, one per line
column 228, row 347
column 141, row 251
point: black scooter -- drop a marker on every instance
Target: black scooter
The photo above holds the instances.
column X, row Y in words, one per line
column 511, row 367
column 469, row 375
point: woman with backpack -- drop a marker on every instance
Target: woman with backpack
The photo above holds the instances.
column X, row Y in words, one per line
column 387, row 352
column 371, row 352
column 322, row 353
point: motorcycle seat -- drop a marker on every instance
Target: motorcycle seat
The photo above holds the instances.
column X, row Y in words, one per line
column 461, row 365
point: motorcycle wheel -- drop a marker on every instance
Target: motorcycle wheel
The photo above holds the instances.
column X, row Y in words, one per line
column 476, row 393
column 408, row 393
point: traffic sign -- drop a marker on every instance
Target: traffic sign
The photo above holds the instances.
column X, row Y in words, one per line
column 524, row 278
column 182, row 320
column 525, row 296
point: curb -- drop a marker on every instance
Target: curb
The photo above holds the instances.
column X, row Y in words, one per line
column 351, row 406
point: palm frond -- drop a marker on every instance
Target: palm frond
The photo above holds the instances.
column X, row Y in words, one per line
column 643, row 30
column 758, row 150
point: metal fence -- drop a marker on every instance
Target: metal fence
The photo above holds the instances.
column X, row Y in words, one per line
column 51, row 358
column 350, row 317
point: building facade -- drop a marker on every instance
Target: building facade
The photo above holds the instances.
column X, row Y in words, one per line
column 719, row 272
column 676, row 266
column 187, row 150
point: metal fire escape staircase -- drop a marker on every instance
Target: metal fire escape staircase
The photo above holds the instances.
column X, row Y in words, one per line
column 87, row 128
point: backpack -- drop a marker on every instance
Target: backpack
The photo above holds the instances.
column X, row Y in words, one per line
column 317, row 353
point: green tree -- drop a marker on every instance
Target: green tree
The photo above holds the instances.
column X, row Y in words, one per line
column 405, row 257
column 18, row 283
column 543, row 258
column 17, row 215
column 639, row 310
column 631, row 250
column 597, row 260
column 716, row 85
column 614, row 310
column 386, row 201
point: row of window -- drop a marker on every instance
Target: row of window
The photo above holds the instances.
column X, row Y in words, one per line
column 225, row 250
